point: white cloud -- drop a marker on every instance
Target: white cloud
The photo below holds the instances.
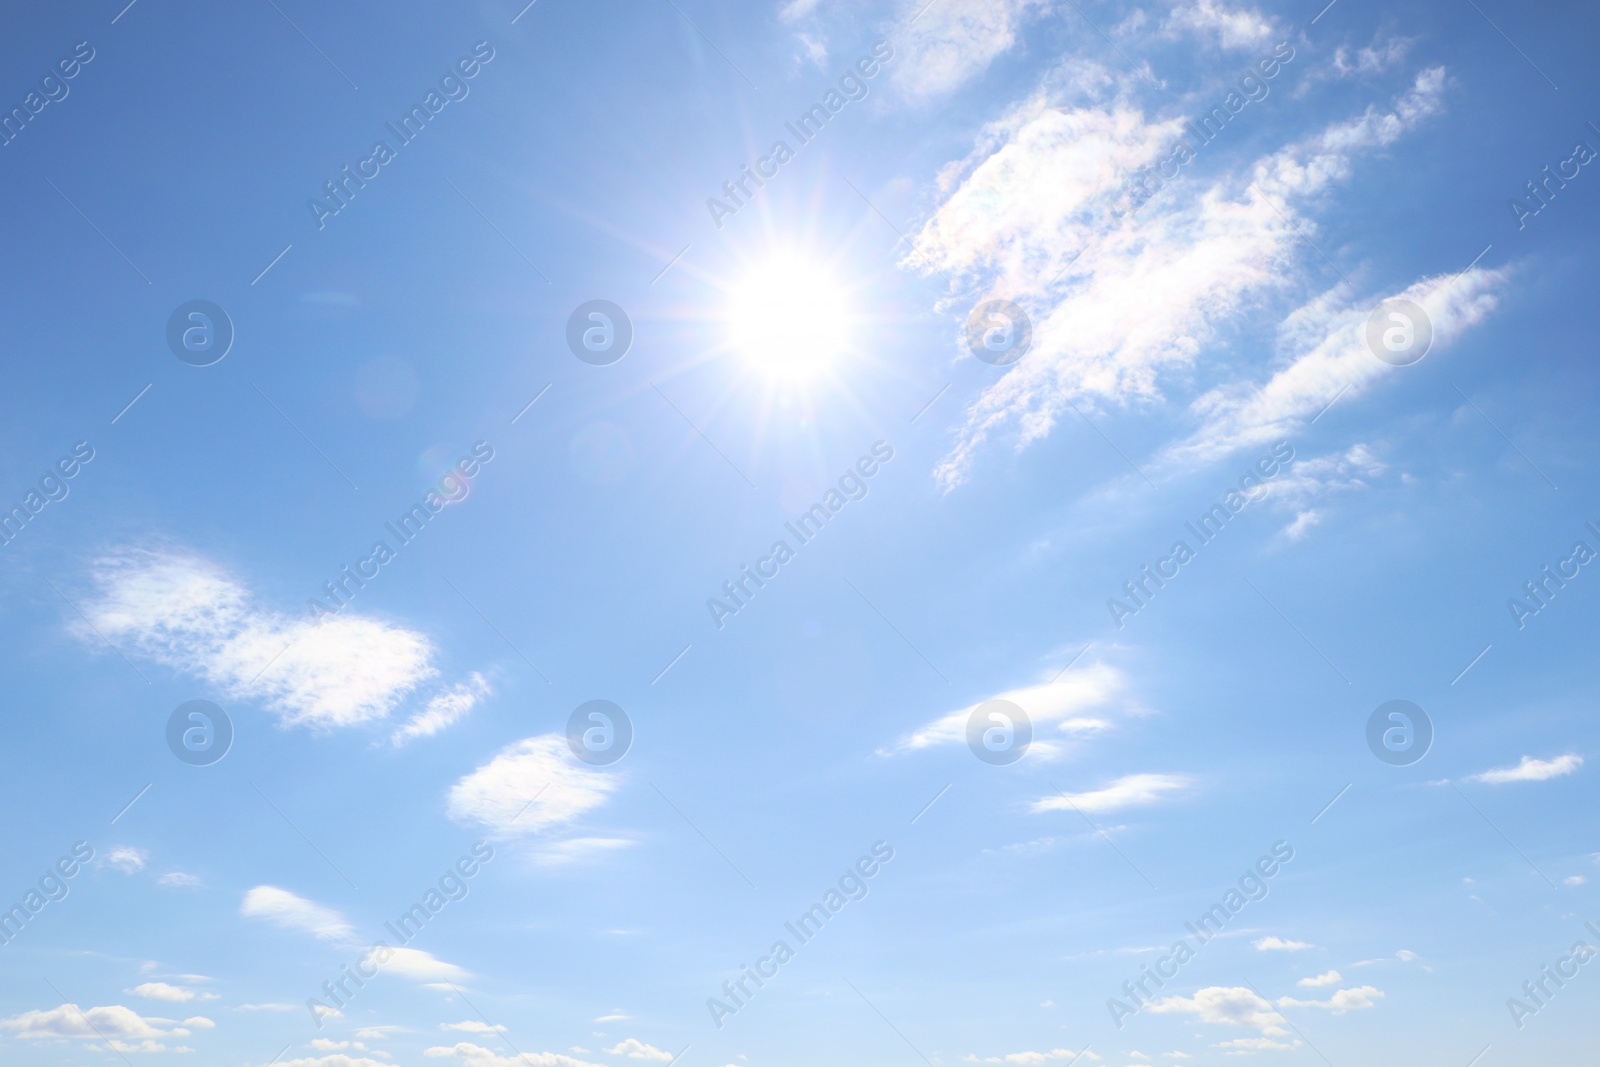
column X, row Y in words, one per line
column 579, row 850
column 1324, row 979
column 199, row 1022
column 69, row 1020
column 1071, row 703
column 1326, row 347
column 529, row 786
column 1574, row 880
column 178, row 880
column 952, row 41
column 417, row 965
column 1342, row 1000
column 473, row 1026
column 189, row 614
column 283, row 908
column 443, row 710
column 1228, row 1005
column 1530, row 770
column 162, row 991
column 1120, row 302
column 126, row 858
column 635, row 1049
column 478, row 1056
column 1256, row 1044
column 1129, row 791
column 795, row 10
column 1373, row 59
column 1232, row 27
column 1054, row 1055
column 1278, row 944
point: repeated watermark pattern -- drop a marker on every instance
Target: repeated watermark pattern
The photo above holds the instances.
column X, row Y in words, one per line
column 852, row 485
column 1213, row 323
column 853, row 885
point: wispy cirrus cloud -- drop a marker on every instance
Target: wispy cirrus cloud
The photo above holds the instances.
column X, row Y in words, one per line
column 1326, row 357
column 1129, row 791
column 417, row 965
column 443, row 710
column 1530, row 770
column 289, row 911
column 944, row 45
column 1078, row 703
column 1122, row 303
column 1056, row 1055
column 162, row 991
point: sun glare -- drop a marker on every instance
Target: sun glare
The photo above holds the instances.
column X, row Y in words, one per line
column 788, row 316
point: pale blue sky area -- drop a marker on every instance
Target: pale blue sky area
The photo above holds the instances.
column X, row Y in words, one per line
column 797, row 380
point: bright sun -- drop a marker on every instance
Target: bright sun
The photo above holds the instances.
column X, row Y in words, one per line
column 789, row 316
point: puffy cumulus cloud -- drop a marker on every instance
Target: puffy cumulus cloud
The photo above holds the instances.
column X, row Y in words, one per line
column 199, row 1022
column 1232, row 1006
column 443, row 710
column 1343, row 1000
column 1278, row 944
column 147, row 1045
column 178, row 880
column 283, row 908
column 127, row 859
column 477, row 1056
column 529, row 786
column 1129, row 791
column 162, row 991
column 1530, row 770
column 189, row 614
column 1077, row 703
column 941, row 46
column 1230, row 27
column 1240, row 1045
column 635, row 1049
column 109, row 1022
column 473, row 1026
column 1327, row 978
column 1121, row 302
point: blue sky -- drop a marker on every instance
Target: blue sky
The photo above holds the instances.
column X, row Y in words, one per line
column 1206, row 323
